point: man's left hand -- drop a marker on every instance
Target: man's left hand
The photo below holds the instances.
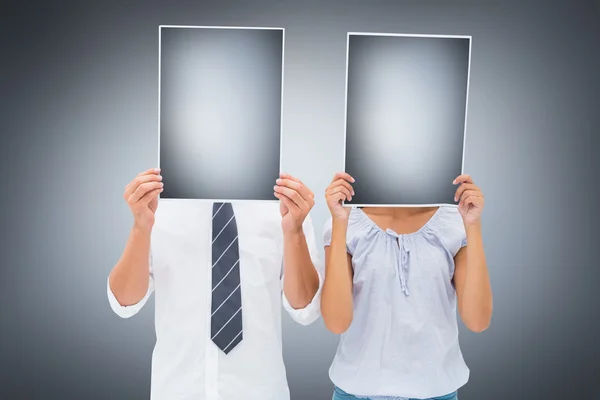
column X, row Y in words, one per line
column 295, row 202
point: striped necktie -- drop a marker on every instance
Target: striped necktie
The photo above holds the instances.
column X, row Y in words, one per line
column 226, row 317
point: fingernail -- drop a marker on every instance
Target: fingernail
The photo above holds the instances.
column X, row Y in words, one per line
column 278, row 181
column 162, row 184
column 353, row 180
column 160, row 177
column 275, row 187
column 157, row 169
column 454, row 198
column 353, row 193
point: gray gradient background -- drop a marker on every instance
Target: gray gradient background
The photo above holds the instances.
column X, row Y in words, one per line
column 78, row 120
column 220, row 112
column 405, row 118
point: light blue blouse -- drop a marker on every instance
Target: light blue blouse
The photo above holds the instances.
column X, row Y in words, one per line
column 403, row 339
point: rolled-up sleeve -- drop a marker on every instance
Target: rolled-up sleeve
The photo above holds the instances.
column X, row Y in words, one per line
column 310, row 313
column 130, row 310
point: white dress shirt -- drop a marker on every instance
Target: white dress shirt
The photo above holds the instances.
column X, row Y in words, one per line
column 186, row 364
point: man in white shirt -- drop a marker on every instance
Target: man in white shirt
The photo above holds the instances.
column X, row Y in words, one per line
column 217, row 271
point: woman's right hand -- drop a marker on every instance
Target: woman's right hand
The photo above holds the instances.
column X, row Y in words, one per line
column 141, row 194
column 338, row 191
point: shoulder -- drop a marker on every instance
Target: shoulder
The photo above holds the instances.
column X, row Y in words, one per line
column 358, row 227
column 181, row 216
column 450, row 216
column 449, row 227
column 192, row 216
column 261, row 219
column 354, row 221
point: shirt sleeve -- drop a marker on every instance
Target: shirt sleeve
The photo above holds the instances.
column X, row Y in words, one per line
column 131, row 310
column 310, row 313
column 327, row 232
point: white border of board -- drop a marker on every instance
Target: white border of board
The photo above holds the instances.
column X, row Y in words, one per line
column 275, row 200
column 466, row 108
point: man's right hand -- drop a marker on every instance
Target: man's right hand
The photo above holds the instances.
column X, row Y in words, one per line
column 141, row 194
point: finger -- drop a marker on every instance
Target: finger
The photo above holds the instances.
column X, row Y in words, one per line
column 464, row 178
column 339, row 197
column 462, row 188
column 292, row 207
column 472, row 199
column 142, row 190
column 341, row 189
column 471, row 196
column 149, row 196
column 137, row 181
column 342, row 182
column 467, row 193
column 297, row 186
column 283, row 175
column 342, row 175
column 292, row 195
column 155, row 171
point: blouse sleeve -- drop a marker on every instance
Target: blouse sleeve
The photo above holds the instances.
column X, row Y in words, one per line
column 353, row 232
column 459, row 234
column 452, row 230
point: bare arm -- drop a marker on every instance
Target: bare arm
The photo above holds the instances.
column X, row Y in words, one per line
column 129, row 278
column 472, row 283
column 471, row 278
column 336, row 300
column 301, row 279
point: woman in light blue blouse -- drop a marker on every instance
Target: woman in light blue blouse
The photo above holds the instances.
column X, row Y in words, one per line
column 394, row 278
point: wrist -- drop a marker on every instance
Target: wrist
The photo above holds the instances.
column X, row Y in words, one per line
column 473, row 228
column 141, row 230
column 293, row 233
column 340, row 222
column 340, row 216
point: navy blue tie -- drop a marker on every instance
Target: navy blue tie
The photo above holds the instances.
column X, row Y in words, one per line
column 226, row 317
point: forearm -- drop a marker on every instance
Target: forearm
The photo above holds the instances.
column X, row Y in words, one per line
column 128, row 279
column 336, row 299
column 477, row 294
column 301, row 280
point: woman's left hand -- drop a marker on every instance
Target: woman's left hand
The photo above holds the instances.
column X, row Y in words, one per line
column 470, row 199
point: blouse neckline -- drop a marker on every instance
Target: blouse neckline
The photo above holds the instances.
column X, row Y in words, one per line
column 417, row 232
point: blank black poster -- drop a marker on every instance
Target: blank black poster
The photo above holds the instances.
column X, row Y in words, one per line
column 405, row 117
column 220, row 112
